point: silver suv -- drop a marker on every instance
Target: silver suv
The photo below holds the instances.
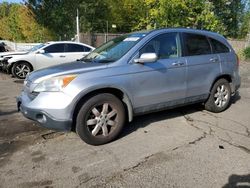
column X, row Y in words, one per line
column 131, row 75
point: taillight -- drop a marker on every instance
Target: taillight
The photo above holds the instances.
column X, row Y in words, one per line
column 238, row 60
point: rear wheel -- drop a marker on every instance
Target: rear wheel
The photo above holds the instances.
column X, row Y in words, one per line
column 220, row 96
column 100, row 119
column 21, row 69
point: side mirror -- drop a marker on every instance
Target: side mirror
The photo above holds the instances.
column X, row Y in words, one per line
column 146, row 58
column 41, row 52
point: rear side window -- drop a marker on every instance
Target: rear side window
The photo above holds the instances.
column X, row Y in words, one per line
column 196, row 44
column 76, row 48
column 218, row 47
column 55, row 48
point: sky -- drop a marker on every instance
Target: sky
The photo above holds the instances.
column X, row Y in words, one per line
column 11, row 1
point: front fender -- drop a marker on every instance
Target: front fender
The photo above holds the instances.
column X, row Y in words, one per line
column 126, row 98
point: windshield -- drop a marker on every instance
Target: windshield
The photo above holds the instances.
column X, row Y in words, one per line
column 36, row 47
column 114, row 49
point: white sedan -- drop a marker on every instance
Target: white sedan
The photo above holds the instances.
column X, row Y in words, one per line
column 45, row 55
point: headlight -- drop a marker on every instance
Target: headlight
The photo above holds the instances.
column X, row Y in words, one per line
column 7, row 58
column 54, row 83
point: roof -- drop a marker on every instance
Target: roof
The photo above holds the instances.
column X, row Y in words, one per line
column 68, row 42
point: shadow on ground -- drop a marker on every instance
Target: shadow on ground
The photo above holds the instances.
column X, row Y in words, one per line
column 238, row 181
column 145, row 120
column 7, row 112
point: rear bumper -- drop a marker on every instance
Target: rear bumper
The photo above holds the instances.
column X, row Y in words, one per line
column 236, row 82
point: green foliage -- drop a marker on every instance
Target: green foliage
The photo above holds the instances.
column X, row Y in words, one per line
column 230, row 13
column 178, row 13
column 228, row 17
column 246, row 53
column 245, row 26
column 17, row 23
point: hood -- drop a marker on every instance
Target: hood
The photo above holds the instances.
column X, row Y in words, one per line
column 12, row 53
column 77, row 67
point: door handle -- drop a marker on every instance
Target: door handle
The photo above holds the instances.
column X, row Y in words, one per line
column 62, row 56
column 177, row 64
column 214, row 60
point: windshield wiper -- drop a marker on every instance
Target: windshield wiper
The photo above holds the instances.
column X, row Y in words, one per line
column 106, row 60
column 85, row 59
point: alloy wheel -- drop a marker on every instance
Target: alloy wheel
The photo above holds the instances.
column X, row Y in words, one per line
column 221, row 96
column 102, row 120
column 22, row 70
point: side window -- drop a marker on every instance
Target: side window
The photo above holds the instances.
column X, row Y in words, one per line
column 164, row 45
column 218, row 47
column 86, row 49
column 196, row 44
column 54, row 48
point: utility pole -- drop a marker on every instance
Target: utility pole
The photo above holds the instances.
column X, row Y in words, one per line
column 107, row 24
column 77, row 27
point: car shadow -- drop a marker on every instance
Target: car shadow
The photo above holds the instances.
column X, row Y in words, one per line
column 144, row 120
column 238, row 181
column 19, row 81
column 236, row 97
column 8, row 112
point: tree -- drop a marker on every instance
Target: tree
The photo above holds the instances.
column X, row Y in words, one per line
column 178, row 13
column 57, row 15
column 224, row 16
column 230, row 13
column 17, row 23
column 245, row 26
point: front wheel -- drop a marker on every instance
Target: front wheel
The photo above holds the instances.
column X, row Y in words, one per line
column 20, row 70
column 100, row 119
column 220, row 96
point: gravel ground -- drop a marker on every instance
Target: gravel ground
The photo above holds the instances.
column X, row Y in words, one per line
column 184, row 147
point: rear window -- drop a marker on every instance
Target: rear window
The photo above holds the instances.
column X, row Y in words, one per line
column 196, row 44
column 218, row 47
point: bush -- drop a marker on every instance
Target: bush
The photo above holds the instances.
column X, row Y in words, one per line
column 246, row 53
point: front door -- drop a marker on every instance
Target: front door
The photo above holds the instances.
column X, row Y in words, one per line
column 162, row 83
column 54, row 55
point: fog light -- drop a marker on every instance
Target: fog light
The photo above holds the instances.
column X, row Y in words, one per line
column 41, row 118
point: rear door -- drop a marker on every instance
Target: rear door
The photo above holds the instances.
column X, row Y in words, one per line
column 202, row 66
column 227, row 58
column 75, row 51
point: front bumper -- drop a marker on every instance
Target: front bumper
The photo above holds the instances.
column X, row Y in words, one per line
column 42, row 115
column 4, row 65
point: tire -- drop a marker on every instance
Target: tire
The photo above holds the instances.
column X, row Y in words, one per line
column 220, row 96
column 101, row 119
column 21, row 69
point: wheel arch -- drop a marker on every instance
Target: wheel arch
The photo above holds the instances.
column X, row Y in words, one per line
column 224, row 76
column 23, row 61
column 112, row 90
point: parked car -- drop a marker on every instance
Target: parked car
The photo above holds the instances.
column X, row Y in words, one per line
column 131, row 75
column 3, row 47
column 45, row 55
column 5, row 56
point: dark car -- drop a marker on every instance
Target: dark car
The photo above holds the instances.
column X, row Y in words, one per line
column 3, row 47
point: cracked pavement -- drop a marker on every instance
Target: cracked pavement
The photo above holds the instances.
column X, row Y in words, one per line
column 184, row 147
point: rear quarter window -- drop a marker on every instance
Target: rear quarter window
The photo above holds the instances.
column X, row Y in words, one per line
column 219, row 47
